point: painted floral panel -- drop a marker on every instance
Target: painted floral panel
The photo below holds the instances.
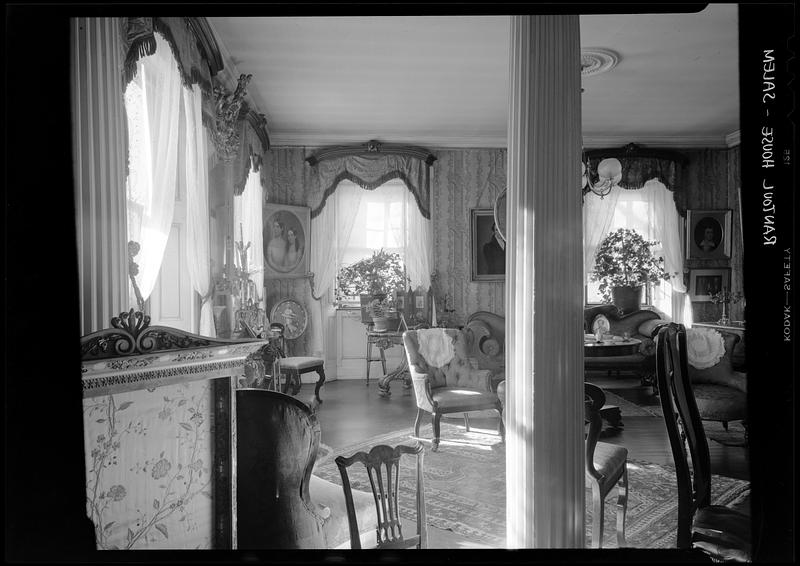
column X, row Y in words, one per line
column 148, row 467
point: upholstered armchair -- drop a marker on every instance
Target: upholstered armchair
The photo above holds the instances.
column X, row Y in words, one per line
column 445, row 380
column 720, row 392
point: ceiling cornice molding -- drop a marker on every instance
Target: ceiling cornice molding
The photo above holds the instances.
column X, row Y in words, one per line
column 293, row 139
column 282, row 139
column 734, row 138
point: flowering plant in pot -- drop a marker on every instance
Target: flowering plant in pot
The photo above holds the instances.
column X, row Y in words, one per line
column 376, row 276
column 624, row 262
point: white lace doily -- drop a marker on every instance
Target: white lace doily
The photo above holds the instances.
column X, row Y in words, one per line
column 436, row 346
column 704, row 347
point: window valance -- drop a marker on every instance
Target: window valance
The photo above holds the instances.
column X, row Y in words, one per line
column 253, row 142
column 369, row 166
column 190, row 39
column 640, row 165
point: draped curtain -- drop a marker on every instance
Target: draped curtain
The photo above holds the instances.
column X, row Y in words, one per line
column 370, row 172
column 154, row 97
column 248, row 228
column 197, row 224
column 658, row 220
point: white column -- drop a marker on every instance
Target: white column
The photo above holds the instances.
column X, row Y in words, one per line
column 544, row 292
column 99, row 157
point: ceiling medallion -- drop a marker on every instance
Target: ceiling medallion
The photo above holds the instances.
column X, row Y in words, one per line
column 596, row 60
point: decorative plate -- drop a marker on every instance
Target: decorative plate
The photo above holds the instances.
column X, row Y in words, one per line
column 704, row 347
column 292, row 315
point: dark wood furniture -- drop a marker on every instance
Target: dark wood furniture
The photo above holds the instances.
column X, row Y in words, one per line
column 383, row 340
column 277, row 442
column 382, row 464
column 606, row 466
column 721, row 532
column 454, row 387
column 292, row 367
column 639, row 325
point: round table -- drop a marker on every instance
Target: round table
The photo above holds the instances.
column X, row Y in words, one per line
column 607, row 347
column 611, row 346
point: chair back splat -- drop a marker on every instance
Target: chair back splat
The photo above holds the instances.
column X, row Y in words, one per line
column 721, row 532
column 382, row 464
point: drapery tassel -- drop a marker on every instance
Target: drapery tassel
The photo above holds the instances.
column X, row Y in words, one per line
column 140, row 47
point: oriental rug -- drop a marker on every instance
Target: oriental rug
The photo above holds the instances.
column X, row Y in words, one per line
column 465, row 488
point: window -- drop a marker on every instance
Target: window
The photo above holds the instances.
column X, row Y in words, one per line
column 635, row 212
column 367, row 221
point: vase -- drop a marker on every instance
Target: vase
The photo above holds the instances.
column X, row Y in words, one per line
column 627, row 299
column 380, row 323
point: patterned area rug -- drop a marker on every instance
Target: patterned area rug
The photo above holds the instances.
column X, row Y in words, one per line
column 465, row 489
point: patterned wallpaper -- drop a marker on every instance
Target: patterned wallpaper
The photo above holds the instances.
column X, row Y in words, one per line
column 461, row 180
column 712, row 180
column 464, row 179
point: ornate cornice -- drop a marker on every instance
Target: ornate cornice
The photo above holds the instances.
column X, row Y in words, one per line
column 207, row 43
column 133, row 355
column 634, row 150
column 258, row 122
column 370, row 148
column 227, row 109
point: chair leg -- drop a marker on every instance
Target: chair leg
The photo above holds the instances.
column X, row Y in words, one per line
column 417, row 422
column 725, row 425
column 597, row 517
column 501, row 426
column 435, row 417
column 320, row 381
column 466, row 421
column 622, row 506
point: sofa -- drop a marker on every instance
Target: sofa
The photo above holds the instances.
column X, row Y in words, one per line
column 642, row 325
column 720, row 392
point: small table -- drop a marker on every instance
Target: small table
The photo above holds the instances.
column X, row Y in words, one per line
column 384, row 340
column 611, row 346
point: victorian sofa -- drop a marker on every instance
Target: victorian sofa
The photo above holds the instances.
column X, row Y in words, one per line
column 641, row 324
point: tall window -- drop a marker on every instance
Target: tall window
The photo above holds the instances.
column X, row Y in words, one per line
column 635, row 212
column 367, row 221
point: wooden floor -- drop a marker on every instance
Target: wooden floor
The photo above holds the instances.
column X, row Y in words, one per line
column 352, row 412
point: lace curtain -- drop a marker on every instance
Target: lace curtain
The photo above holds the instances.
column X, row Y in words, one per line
column 197, row 223
column 247, row 222
column 152, row 101
column 656, row 218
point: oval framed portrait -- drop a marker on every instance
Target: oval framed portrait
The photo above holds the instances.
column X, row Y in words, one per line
column 286, row 241
column 708, row 234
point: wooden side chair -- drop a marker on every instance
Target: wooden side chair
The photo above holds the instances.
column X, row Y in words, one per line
column 606, row 466
column 720, row 532
column 292, row 367
column 383, row 467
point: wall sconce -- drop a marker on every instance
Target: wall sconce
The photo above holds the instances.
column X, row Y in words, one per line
column 610, row 173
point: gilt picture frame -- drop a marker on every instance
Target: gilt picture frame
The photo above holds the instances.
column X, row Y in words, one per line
column 287, row 240
column 708, row 234
column 705, row 282
column 487, row 248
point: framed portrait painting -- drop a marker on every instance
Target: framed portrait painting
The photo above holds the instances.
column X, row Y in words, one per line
column 705, row 282
column 708, row 234
column 286, row 241
column 487, row 248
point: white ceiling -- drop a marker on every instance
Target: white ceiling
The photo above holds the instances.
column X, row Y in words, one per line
column 443, row 81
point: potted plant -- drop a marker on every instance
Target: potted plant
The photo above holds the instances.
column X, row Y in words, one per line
column 374, row 278
column 624, row 263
